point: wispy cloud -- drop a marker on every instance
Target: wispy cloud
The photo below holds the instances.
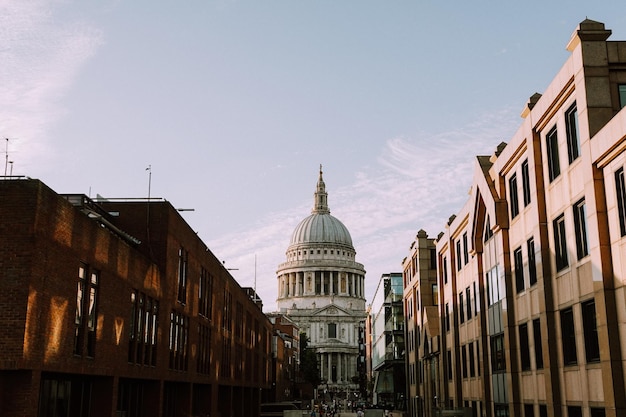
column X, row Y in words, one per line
column 40, row 57
column 418, row 183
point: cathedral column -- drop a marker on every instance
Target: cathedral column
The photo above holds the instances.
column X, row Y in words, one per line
column 298, row 286
column 329, row 368
column 360, row 285
column 331, row 282
column 339, row 368
column 353, row 285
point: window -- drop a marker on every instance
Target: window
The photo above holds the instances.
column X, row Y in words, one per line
column 449, row 365
column 468, row 303
column 622, row 95
column 445, row 270
column 538, row 344
column 568, row 337
column 543, row 410
column 597, row 412
column 447, row 318
column 571, row 130
column 178, row 343
column 86, row 316
column 560, row 243
column 552, row 148
column 526, row 183
column 574, row 411
column 475, row 298
column 225, row 365
column 529, row 410
column 477, row 358
column 488, row 231
column 465, row 250
column 92, row 316
column 435, row 291
column 580, row 228
column 498, row 360
column 433, row 259
column 62, row 396
column 524, row 349
column 461, row 309
column 519, row 270
column 501, row 410
column 182, row 275
column 203, row 365
column 79, row 326
column 513, row 200
column 143, row 325
column 620, row 188
column 332, row 330
column 532, row 263
column 227, row 322
column 459, row 262
column 494, row 286
column 205, row 294
column 472, row 362
column 590, row 331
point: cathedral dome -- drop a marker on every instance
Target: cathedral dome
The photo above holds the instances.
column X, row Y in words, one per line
column 320, row 227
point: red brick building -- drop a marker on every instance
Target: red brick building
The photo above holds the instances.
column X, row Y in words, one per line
column 117, row 308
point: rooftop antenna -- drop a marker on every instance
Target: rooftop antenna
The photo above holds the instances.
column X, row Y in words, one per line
column 6, row 158
column 149, row 169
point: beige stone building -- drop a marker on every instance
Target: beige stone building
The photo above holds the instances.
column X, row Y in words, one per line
column 530, row 271
column 321, row 288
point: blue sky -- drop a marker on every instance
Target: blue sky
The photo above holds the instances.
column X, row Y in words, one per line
column 235, row 104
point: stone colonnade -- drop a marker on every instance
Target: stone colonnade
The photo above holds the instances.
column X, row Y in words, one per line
column 295, row 284
column 337, row 367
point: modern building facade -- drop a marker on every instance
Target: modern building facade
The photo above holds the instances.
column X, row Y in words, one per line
column 388, row 346
column 421, row 314
column 530, row 271
column 119, row 309
column 321, row 288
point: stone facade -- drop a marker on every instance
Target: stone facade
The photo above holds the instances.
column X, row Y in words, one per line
column 322, row 288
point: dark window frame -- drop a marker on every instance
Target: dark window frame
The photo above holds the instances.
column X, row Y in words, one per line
column 532, row 262
column 183, row 261
column 573, row 133
column 498, row 357
column 590, row 331
column 461, row 308
column 580, row 229
column 538, row 341
column 552, row 150
column 524, row 347
column 620, row 195
column 518, row 261
column 568, row 337
column 526, row 194
column 560, row 242
column 513, row 196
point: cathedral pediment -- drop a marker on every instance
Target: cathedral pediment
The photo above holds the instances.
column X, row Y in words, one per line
column 332, row 310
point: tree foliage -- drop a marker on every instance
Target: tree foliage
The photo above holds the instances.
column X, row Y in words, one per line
column 308, row 362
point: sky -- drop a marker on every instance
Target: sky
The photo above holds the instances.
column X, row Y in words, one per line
column 234, row 104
